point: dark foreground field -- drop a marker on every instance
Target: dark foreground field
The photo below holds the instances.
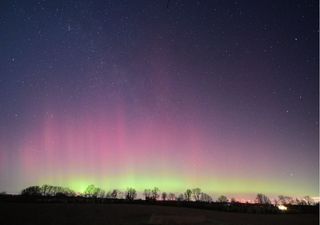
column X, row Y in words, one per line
column 114, row 214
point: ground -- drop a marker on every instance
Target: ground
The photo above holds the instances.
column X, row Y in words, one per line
column 125, row 214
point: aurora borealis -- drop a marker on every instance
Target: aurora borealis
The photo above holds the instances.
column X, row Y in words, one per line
column 221, row 95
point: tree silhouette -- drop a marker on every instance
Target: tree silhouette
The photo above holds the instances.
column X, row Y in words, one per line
column 31, row 191
column 66, row 192
column 114, row 193
column 131, row 194
column 205, row 197
column 155, row 193
column 164, row 196
column 233, row 200
column 297, row 201
column 262, row 199
column 101, row 193
column 108, row 194
column 94, row 192
column 147, row 194
column 90, row 191
column 180, row 197
column 223, row 199
column 121, row 195
column 171, row 197
column 285, row 200
column 308, row 200
column 196, row 192
column 49, row 190
column 187, row 195
column 45, row 190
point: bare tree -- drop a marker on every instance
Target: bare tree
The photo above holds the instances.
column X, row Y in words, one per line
column 121, row 195
column 196, row 192
column 50, row 190
column 308, row 200
column 223, row 199
column 187, row 195
column 155, row 193
column 67, row 192
column 114, row 193
column 164, row 196
column 181, row 197
column 285, row 200
column 205, row 197
column 297, row 201
column 100, row 193
column 31, row 191
column 147, row 194
column 45, row 190
column 131, row 194
column 92, row 191
column 262, row 199
column 108, row 194
column 171, row 197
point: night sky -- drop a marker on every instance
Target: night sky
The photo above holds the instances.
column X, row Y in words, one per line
column 221, row 95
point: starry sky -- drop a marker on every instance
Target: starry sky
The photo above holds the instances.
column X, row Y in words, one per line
column 221, row 95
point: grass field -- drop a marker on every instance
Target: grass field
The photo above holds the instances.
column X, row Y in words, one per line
column 116, row 214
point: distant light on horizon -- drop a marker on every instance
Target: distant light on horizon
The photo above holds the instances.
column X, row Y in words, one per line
column 282, row 207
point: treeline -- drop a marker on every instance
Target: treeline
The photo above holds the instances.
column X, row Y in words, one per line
column 48, row 190
column 193, row 198
column 155, row 194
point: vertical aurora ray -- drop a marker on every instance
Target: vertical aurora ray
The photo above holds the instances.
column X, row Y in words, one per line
column 78, row 152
